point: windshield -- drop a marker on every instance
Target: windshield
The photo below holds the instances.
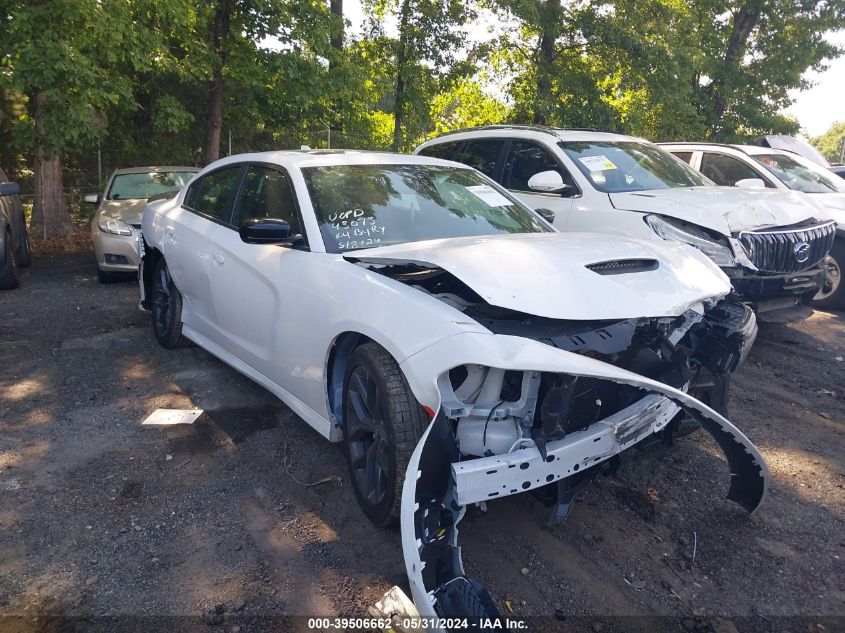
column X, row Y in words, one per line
column 363, row 206
column 146, row 185
column 800, row 174
column 614, row 166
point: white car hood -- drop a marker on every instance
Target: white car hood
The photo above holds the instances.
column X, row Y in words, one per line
column 726, row 210
column 545, row 274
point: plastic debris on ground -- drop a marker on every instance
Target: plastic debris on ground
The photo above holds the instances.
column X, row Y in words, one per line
column 398, row 607
column 169, row 417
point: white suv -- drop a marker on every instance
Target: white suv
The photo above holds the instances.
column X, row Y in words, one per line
column 751, row 166
column 770, row 244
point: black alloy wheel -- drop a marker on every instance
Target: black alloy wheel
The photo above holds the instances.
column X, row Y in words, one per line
column 382, row 423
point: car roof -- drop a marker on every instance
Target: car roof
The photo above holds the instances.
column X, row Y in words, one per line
column 297, row 159
column 755, row 150
column 698, row 144
column 751, row 150
column 534, row 132
column 153, row 169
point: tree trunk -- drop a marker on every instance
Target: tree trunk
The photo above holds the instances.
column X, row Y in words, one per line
column 335, row 61
column 215, row 117
column 336, row 8
column 744, row 22
column 220, row 31
column 401, row 61
column 50, row 211
column 546, row 61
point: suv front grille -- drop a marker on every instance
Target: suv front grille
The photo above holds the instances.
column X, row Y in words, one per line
column 788, row 250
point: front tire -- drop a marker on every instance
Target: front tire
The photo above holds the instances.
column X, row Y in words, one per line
column 167, row 309
column 832, row 294
column 382, row 423
column 8, row 267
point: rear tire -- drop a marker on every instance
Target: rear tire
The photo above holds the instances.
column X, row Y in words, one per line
column 167, row 309
column 24, row 250
column 382, row 423
column 9, row 267
column 832, row 294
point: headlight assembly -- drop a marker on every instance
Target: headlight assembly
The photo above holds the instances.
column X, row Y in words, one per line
column 719, row 253
column 114, row 226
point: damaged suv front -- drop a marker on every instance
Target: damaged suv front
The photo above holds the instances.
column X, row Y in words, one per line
column 555, row 391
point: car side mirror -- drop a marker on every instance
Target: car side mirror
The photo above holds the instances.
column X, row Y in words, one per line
column 9, row 189
column 750, row 183
column 548, row 182
column 547, row 214
column 265, row 231
column 92, row 198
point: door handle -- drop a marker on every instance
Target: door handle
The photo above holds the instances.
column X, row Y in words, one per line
column 218, row 257
column 169, row 230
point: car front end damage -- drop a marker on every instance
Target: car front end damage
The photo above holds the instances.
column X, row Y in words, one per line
column 538, row 405
column 776, row 271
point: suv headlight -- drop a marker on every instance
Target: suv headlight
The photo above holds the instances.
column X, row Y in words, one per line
column 719, row 253
column 115, row 226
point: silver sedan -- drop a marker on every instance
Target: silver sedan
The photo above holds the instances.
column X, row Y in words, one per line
column 116, row 224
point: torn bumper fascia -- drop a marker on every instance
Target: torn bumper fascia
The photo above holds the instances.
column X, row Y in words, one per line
column 438, row 486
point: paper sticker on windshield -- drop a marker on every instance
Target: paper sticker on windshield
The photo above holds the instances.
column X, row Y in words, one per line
column 597, row 163
column 489, row 195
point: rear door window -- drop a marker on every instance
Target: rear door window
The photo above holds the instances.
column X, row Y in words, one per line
column 441, row 150
column 684, row 156
column 483, row 155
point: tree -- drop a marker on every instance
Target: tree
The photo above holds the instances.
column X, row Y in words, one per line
column 220, row 32
column 68, row 60
column 430, row 32
column 832, row 143
column 752, row 54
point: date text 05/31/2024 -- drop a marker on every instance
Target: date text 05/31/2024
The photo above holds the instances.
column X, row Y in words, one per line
column 469, row 624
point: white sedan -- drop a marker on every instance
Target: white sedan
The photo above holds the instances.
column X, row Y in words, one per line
column 451, row 338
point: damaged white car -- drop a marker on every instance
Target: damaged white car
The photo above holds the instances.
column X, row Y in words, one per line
column 450, row 337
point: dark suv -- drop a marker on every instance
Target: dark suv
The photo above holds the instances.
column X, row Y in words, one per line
column 14, row 240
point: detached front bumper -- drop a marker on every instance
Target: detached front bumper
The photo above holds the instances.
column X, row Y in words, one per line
column 439, row 483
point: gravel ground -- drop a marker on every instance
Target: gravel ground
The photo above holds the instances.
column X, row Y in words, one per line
column 100, row 516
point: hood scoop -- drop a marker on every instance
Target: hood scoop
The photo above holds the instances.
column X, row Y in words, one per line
column 623, row 266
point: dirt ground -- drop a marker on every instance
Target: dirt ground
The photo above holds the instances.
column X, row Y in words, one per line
column 100, row 516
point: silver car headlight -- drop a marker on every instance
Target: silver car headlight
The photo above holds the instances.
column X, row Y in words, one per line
column 114, row 226
column 720, row 253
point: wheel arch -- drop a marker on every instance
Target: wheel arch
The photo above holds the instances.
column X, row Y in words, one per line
column 337, row 361
column 339, row 352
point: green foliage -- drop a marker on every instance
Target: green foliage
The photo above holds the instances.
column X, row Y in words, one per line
column 831, row 142
column 134, row 75
column 665, row 68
